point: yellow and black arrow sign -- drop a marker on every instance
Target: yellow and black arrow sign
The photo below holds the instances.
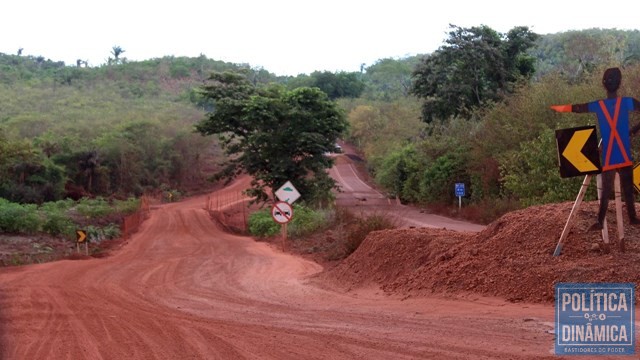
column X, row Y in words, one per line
column 81, row 236
column 636, row 177
column 578, row 151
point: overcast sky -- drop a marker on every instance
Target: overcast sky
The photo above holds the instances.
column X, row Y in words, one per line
column 287, row 37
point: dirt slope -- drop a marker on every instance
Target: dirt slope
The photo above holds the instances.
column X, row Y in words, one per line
column 182, row 288
column 511, row 258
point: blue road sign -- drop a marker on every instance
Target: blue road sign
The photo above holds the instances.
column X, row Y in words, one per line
column 460, row 191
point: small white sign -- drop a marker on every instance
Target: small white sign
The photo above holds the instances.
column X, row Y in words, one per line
column 287, row 193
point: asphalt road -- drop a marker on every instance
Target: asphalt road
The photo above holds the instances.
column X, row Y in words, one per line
column 357, row 194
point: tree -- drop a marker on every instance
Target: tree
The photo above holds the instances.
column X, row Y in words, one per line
column 338, row 85
column 273, row 134
column 389, row 78
column 116, row 51
column 26, row 175
column 335, row 85
column 476, row 67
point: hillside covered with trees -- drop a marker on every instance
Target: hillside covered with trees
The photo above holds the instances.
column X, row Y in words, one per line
column 474, row 111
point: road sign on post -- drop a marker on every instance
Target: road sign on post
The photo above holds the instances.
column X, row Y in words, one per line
column 81, row 237
column 287, row 193
column 578, row 151
column 636, row 177
column 460, row 192
column 282, row 213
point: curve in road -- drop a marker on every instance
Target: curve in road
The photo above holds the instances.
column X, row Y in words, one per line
column 181, row 288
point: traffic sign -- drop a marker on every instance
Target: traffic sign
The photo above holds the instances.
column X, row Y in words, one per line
column 81, row 236
column 578, row 151
column 460, row 190
column 282, row 212
column 636, row 177
column 287, row 193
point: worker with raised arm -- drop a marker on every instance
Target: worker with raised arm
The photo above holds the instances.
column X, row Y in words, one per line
column 613, row 121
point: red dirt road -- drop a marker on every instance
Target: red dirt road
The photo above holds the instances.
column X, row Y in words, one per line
column 181, row 288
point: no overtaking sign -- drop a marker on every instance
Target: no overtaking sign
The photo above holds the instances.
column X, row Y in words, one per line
column 282, row 212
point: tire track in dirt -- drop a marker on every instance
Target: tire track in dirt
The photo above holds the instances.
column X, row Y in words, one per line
column 181, row 288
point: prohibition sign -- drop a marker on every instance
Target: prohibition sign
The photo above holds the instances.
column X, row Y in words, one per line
column 282, row 212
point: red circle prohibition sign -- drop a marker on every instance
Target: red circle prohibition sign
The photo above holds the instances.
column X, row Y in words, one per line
column 282, row 212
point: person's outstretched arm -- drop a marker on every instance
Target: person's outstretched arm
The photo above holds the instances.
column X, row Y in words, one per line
column 576, row 108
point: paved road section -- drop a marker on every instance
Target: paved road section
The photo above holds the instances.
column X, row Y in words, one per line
column 356, row 193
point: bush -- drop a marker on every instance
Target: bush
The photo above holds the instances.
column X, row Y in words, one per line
column 307, row 221
column 350, row 230
column 16, row 218
column 395, row 169
column 54, row 218
column 128, row 206
column 58, row 223
column 531, row 174
column 361, row 227
column 97, row 234
column 60, row 205
column 111, row 231
column 94, row 208
column 261, row 224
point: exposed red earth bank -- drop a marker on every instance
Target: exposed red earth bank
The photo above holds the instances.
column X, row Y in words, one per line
column 183, row 288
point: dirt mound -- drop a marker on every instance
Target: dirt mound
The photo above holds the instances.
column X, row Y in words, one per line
column 512, row 258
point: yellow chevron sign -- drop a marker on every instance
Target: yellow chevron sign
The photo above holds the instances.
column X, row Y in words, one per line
column 636, row 177
column 578, row 151
column 81, row 236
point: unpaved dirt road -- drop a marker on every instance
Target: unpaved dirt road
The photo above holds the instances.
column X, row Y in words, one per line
column 183, row 289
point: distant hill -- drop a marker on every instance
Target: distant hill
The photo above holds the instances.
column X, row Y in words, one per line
column 127, row 127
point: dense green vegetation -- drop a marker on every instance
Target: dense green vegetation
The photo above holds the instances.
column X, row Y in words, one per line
column 305, row 222
column 346, row 229
column 120, row 129
column 63, row 217
column 476, row 67
column 125, row 128
column 503, row 149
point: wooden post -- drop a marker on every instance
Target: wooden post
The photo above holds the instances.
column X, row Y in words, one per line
column 569, row 224
column 78, row 247
column 605, row 226
column 284, row 237
column 86, row 247
column 619, row 222
column 244, row 215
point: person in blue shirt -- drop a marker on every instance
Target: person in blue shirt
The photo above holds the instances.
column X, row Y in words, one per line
column 613, row 122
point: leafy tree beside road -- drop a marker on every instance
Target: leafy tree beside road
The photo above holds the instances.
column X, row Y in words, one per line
column 477, row 66
column 273, row 134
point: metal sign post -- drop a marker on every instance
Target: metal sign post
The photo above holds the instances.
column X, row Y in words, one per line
column 460, row 192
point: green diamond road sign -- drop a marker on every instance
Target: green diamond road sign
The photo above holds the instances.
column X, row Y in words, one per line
column 287, row 193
